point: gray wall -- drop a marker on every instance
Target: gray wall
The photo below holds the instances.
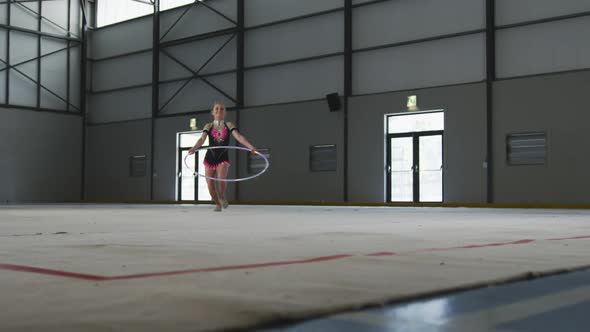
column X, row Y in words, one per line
column 288, row 131
column 557, row 105
column 446, row 73
column 464, row 141
column 108, row 149
column 41, row 156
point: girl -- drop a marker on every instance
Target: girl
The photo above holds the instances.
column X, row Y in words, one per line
column 217, row 160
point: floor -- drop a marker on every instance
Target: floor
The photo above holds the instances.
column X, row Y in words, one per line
column 557, row 303
column 179, row 268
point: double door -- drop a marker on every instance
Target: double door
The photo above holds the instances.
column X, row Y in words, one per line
column 191, row 187
column 415, row 167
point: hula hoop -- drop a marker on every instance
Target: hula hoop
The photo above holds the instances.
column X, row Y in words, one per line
column 230, row 180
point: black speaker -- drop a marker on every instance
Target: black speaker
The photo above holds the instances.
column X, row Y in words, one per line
column 333, row 102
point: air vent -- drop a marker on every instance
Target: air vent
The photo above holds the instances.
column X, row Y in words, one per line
column 526, row 149
column 138, row 166
column 322, row 158
column 256, row 163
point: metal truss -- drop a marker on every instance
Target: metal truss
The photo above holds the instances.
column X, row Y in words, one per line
column 71, row 39
column 188, row 8
column 196, row 73
column 37, row 82
column 160, row 47
column 39, row 16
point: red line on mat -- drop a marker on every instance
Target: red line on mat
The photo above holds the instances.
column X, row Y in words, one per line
column 379, row 254
column 57, row 273
column 570, row 238
column 231, row 267
column 90, row 277
column 476, row 246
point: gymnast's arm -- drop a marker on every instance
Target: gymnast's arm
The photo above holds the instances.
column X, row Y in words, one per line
column 200, row 142
column 240, row 138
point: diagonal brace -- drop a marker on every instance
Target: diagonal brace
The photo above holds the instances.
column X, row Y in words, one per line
column 196, row 2
column 197, row 72
column 41, row 85
column 36, row 14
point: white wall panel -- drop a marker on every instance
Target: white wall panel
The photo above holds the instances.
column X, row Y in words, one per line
column 310, row 37
column 53, row 73
column 403, row 20
column 75, row 76
column 265, row 11
column 441, row 62
column 22, row 17
column 2, row 87
column 23, row 91
column 3, row 73
column 3, row 16
column 121, row 38
column 57, row 12
column 75, row 17
column 514, row 11
column 198, row 20
column 197, row 95
column 120, row 105
column 122, row 72
column 49, row 45
column 543, row 48
column 294, row 82
column 195, row 55
column 23, row 47
column 49, row 100
column 3, row 49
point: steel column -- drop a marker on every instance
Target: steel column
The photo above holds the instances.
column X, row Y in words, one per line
column 347, row 87
column 7, row 97
column 39, row 23
column 239, row 77
column 490, row 78
column 82, row 91
column 155, row 89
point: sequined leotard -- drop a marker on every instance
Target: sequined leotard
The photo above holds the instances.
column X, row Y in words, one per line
column 218, row 137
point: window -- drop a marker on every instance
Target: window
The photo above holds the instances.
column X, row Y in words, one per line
column 322, row 158
column 256, row 163
column 138, row 166
column 114, row 11
column 169, row 4
column 188, row 140
column 526, row 149
column 416, row 122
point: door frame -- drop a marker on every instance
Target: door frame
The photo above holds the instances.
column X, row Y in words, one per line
column 179, row 175
column 416, row 163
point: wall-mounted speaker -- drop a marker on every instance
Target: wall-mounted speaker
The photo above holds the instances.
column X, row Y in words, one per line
column 333, row 102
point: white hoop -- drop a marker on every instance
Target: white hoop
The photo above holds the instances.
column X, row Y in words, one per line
column 231, row 180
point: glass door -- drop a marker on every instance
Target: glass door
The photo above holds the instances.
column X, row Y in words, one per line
column 190, row 186
column 401, row 169
column 187, row 181
column 415, row 167
column 430, row 170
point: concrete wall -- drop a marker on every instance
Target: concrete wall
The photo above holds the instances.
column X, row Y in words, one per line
column 464, row 141
column 41, row 156
column 558, row 105
column 304, row 62
column 288, row 131
column 109, row 147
